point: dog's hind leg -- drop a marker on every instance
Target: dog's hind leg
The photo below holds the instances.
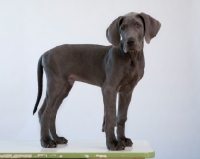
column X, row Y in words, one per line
column 63, row 94
column 54, row 88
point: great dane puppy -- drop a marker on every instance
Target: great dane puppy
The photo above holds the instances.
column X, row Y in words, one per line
column 116, row 69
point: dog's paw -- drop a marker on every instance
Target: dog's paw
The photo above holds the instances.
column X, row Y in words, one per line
column 48, row 143
column 126, row 141
column 115, row 145
column 61, row 140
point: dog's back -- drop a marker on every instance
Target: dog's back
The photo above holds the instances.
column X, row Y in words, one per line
column 80, row 62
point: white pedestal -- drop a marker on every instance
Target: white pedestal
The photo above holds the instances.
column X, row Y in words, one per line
column 74, row 149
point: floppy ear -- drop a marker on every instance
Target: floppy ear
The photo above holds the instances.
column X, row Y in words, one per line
column 112, row 33
column 152, row 27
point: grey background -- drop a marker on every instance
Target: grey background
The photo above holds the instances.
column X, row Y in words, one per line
column 165, row 106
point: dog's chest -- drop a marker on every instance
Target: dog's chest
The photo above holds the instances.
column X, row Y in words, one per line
column 132, row 75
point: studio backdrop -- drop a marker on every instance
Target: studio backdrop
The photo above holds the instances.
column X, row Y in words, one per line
column 165, row 105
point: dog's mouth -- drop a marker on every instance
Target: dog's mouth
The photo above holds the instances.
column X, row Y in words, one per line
column 127, row 49
column 131, row 49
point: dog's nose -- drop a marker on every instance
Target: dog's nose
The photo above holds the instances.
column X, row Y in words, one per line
column 130, row 41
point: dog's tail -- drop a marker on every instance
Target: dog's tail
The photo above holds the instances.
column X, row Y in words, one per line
column 40, row 75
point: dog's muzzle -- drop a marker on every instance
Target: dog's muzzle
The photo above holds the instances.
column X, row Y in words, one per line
column 131, row 46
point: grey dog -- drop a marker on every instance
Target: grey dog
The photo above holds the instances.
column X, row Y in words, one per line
column 116, row 69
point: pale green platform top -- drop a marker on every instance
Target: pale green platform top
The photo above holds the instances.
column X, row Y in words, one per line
column 74, row 149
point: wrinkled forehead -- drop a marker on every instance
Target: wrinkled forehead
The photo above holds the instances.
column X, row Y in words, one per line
column 132, row 18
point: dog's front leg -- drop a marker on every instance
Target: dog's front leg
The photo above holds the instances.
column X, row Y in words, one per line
column 124, row 100
column 109, row 96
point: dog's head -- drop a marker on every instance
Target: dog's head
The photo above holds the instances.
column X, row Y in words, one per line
column 131, row 29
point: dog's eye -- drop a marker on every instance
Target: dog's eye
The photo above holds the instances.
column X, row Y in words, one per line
column 123, row 28
column 138, row 25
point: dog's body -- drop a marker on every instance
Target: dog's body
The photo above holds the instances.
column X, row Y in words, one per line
column 116, row 69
